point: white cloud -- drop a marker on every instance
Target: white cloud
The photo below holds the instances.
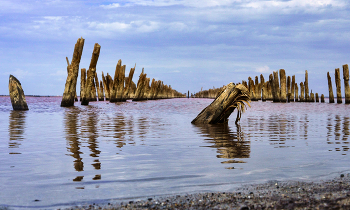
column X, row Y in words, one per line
column 110, row 6
column 19, row 73
column 263, row 69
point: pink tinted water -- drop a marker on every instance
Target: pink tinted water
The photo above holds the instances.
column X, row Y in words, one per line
column 55, row 157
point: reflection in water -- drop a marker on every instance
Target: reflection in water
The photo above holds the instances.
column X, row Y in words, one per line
column 229, row 145
column 341, row 133
column 88, row 131
column 16, row 129
column 72, row 137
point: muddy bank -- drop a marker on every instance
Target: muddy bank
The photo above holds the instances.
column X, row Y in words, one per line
column 330, row 194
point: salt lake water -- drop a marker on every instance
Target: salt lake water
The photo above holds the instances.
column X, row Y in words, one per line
column 53, row 157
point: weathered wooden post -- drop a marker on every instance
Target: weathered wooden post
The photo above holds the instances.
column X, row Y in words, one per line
column 263, row 88
column 330, row 89
column 312, row 97
column 114, row 89
column 128, row 84
column 338, row 86
column 322, row 98
column 296, row 92
column 91, row 75
column 82, row 82
column 106, row 86
column 293, row 89
column 302, row 92
column 18, row 99
column 73, row 71
column 256, row 86
column 139, row 93
column 346, row 83
column 317, row 99
column 283, row 96
column 98, row 88
column 101, row 95
column 306, row 86
column 230, row 98
column 276, row 87
column 289, row 92
column 251, row 89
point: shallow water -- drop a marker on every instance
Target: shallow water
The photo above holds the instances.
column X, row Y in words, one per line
column 55, row 157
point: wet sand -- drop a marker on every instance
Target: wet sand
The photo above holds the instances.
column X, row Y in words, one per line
column 330, row 194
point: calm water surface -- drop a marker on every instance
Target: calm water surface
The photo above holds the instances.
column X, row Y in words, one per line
column 55, row 157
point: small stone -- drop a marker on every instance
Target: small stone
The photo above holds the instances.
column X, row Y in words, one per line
column 341, row 175
column 150, row 199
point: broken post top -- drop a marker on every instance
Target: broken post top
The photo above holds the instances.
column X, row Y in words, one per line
column 17, row 97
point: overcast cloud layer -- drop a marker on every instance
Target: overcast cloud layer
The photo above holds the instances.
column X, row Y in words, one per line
column 188, row 44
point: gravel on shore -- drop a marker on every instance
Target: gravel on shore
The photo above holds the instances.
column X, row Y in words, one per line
column 330, row 194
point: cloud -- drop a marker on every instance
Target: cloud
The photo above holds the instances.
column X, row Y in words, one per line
column 19, row 73
column 263, row 69
column 110, row 6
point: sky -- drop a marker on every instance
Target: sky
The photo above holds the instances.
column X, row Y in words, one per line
column 187, row 44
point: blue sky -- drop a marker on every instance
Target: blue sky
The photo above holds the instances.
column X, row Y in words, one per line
column 187, row 44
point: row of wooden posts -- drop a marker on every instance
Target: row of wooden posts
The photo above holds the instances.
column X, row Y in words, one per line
column 282, row 88
column 118, row 89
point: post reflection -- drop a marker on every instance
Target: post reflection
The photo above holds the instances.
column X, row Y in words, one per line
column 16, row 129
column 73, row 141
column 230, row 145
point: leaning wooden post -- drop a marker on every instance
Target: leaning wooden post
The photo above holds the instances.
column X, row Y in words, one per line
column 18, row 100
column 73, row 71
column 293, row 89
column 302, row 92
column 306, row 86
column 330, row 89
column 288, row 89
column 338, row 85
column 296, row 92
column 91, row 75
column 322, row 98
column 346, row 83
column 230, row 98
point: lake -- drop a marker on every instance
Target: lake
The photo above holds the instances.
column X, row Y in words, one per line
column 53, row 157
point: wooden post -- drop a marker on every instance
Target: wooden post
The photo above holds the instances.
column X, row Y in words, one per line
column 139, row 93
column 330, row 89
column 98, row 88
column 82, row 82
column 283, row 96
column 312, row 97
column 296, row 92
column 276, row 87
column 18, row 99
column 322, row 98
column 289, row 92
column 263, row 88
column 101, row 95
column 338, row 86
column 306, row 86
column 256, row 88
column 231, row 97
column 91, row 75
column 106, row 86
column 317, row 99
column 73, row 71
column 302, row 92
column 127, row 88
column 113, row 95
column 293, row 89
column 346, row 83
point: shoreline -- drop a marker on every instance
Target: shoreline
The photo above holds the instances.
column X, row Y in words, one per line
column 328, row 194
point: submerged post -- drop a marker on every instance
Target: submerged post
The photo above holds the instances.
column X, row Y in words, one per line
column 330, row 89
column 338, row 86
column 18, row 100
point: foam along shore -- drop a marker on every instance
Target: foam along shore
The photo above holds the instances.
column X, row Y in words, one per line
column 329, row 194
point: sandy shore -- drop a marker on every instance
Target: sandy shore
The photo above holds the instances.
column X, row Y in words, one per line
column 330, row 194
